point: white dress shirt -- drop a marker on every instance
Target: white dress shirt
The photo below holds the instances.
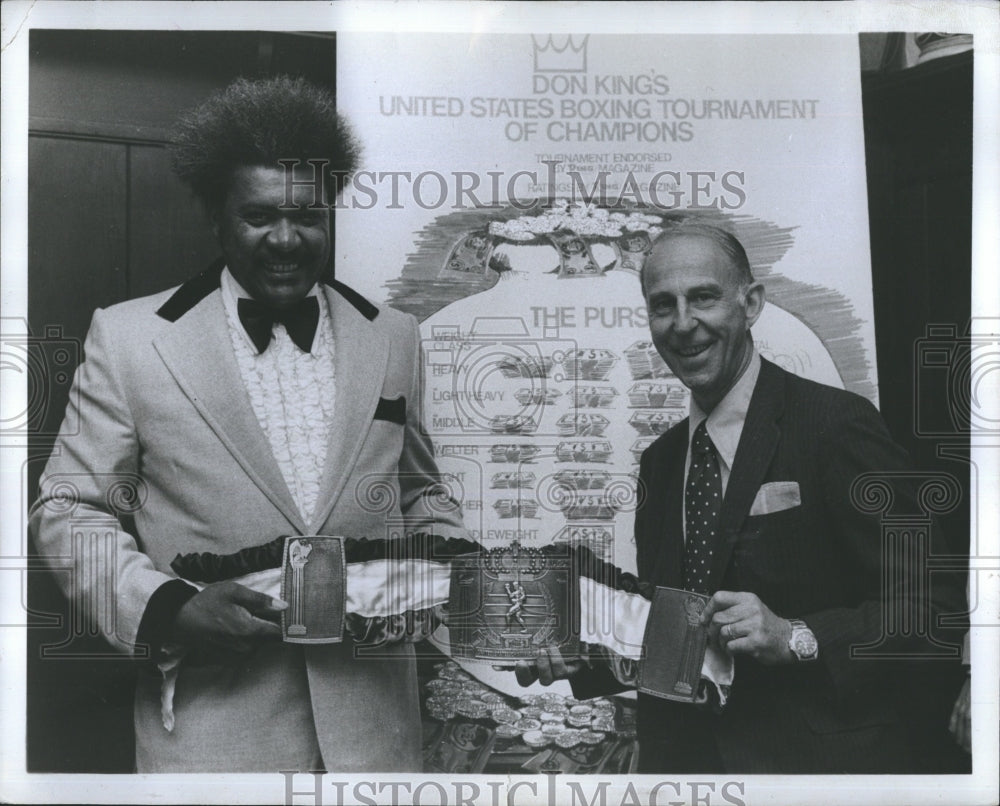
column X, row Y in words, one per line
column 292, row 393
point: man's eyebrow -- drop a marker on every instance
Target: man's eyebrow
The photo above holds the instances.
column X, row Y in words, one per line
column 659, row 297
column 261, row 207
column 711, row 288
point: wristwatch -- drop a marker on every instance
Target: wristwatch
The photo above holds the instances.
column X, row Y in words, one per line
column 803, row 642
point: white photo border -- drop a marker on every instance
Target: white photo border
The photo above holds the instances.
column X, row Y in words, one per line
column 980, row 18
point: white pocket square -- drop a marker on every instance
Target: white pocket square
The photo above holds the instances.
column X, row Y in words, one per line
column 776, row 496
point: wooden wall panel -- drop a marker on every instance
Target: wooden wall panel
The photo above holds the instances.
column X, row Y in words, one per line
column 79, row 709
column 170, row 238
column 130, row 84
column 918, row 140
column 76, row 230
column 76, row 241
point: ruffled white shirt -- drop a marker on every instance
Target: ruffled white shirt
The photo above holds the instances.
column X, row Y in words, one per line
column 292, row 393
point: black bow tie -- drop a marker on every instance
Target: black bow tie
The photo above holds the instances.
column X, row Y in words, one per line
column 300, row 321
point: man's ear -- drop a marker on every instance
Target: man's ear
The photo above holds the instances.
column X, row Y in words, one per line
column 754, row 303
column 213, row 214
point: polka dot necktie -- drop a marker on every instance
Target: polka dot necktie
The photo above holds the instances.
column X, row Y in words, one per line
column 702, row 505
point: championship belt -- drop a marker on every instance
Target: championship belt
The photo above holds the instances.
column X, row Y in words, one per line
column 501, row 605
column 675, row 642
column 507, row 603
column 376, row 591
column 312, row 582
column 651, row 638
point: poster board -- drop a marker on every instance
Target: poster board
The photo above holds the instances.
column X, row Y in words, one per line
column 514, row 225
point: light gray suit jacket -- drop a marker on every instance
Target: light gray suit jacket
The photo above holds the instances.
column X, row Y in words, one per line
column 169, row 447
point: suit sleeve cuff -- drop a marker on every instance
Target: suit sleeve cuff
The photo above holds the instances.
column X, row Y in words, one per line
column 158, row 618
column 845, row 676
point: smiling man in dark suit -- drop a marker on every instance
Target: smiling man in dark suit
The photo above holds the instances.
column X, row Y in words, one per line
column 749, row 500
column 253, row 402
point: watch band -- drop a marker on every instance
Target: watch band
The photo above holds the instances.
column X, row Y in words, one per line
column 802, row 642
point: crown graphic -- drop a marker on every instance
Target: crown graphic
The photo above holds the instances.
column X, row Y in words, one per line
column 514, row 558
column 567, row 56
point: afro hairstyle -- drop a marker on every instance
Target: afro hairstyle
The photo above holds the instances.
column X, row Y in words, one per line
column 258, row 122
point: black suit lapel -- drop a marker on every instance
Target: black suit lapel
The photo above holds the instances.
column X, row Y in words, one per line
column 664, row 524
column 193, row 291
column 758, row 443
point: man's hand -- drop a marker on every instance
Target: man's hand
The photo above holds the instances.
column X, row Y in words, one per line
column 227, row 617
column 961, row 718
column 549, row 665
column 743, row 625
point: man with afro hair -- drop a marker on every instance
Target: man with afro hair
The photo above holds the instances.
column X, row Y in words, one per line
column 252, row 402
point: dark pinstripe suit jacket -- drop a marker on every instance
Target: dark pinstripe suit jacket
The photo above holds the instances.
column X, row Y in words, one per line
column 821, row 561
